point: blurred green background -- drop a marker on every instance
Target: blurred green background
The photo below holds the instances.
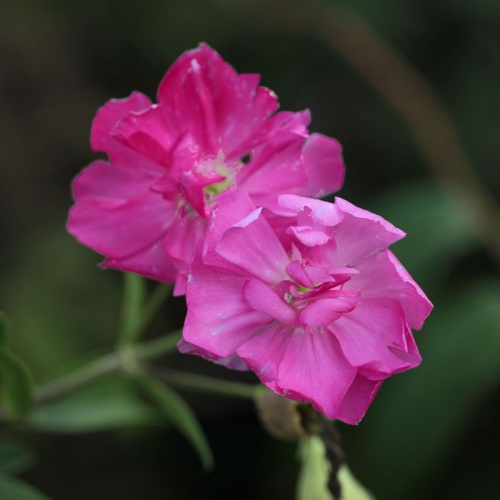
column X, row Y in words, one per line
column 431, row 433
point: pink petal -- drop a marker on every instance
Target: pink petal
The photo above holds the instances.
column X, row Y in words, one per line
column 219, row 319
column 206, row 96
column 181, row 239
column 373, row 337
column 322, row 159
column 273, row 171
column 264, row 299
column 150, row 262
column 115, row 213
column 252, row 246
column 231, row 207
column 234, row 362
column 109, row 115
column 361, row 234
column 321, row 212
column 322, row 312
column 104, row 180
column 148, row 133
column 383, row 276
column 357, row 399
column 307, row 365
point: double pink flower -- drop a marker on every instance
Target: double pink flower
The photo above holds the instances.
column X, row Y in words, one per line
column 212, row 129
column 208, row 189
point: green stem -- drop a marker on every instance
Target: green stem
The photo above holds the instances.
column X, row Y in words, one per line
column 206, row 384
column 106, row 365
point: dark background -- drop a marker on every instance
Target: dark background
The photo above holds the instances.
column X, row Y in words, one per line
column 431, row 433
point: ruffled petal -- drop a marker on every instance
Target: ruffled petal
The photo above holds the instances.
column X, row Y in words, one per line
column 383, row 276
column 233, row 362
column 322, row 160
column 262, row 298
column 306, row 365
column 150, row 262
column 219, row 319
column 115, row 213
column 373, row 338
column 357, row 399
column 252, row 246
column 361, row 234
column 109, row 115
column 206, row 97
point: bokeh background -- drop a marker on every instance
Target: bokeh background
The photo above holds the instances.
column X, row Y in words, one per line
column 411, row 88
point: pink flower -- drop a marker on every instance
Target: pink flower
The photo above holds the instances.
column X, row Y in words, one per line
column 212, row 130
column 324, row 319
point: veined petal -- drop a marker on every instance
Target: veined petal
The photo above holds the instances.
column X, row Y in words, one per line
column 361, row 234
column 322, row 159
column 357, row 399
column 373, row 335
column 322, row 312
column 264, row 299
column 234, row 362
column 206, row 96
column 120, row 227
column 109, row 115
column 252, row 246
column 150, row 262
column 383, row 276
column 303, row 364
column 219, row 319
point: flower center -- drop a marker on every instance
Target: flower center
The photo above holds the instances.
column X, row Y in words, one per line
column 217, row 187
column 318, row 295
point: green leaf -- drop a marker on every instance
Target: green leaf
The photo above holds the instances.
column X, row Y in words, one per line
column 107, row 404
column 4, row 328
column 176, row 410
column 16, row 384
column 14, row 457
column 13, row 489
column 133, row 300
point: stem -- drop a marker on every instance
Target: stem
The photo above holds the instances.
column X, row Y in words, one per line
column 106, row 365
column 206, row 384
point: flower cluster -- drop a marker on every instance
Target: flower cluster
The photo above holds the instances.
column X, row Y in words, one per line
column 214, row 190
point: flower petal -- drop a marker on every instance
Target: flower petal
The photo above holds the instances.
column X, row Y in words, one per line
column 253, row 247
column 303, row 364
column 373, row 337
column 234, row 362
column 116, row 215
column 357, row 399
column 219, row 319
column 322, row 159
column 361, row 234
column 383, row 276
column 264, row 299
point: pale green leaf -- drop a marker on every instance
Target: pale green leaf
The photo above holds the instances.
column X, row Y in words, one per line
column 107, row 404
column 176, row 410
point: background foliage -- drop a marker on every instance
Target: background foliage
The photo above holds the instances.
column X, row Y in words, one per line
column 431, row 433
